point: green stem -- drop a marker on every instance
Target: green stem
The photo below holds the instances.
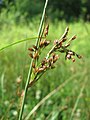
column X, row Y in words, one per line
column 41, row 24
column 30, row 69
column 14, row 43
column 25, row 91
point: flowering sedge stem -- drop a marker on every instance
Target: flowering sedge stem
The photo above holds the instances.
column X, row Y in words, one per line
column 30, row 69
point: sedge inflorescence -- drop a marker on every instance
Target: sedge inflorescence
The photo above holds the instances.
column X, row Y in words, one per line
column 48, row 62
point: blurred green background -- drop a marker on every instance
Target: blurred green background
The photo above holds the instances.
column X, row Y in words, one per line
column 60, row 9
column 19, row 19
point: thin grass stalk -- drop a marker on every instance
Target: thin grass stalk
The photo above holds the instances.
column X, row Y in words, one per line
column 41, row 24
column 17, row 42
column 30, row 68
column 78, row 98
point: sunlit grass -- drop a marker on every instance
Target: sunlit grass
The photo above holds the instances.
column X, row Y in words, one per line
column 14, row 61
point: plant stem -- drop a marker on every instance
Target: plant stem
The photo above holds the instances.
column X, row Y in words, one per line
column 14, row 43
column 25, row 91
column 30, row 69
column 41, row 24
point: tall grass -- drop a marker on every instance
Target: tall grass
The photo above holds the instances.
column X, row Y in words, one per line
column 11, row 64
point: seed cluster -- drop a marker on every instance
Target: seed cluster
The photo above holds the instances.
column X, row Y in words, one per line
column 60, row 47
column 45, row 63
column 48, row 62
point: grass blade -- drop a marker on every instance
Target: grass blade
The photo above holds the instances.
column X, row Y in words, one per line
column 17, row 42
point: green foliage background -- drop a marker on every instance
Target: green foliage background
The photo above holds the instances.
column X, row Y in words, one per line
column 20, row 19
column 62, row 9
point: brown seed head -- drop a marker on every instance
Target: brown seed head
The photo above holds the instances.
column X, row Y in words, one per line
column 36, row 55
column 40, row 70
column 31, row 49
column 46, row 33
column 36, row 70
column 46, row 30
column 31, row 55
column 79, row 56
column 33, row 65
column 35, row 47
column 55, row 58
column 73, row 60
column 41, row 43
column 64, row 39
column 68, row 56
column 46, row 43
column 53, row 55
column 74, row 37
column 71, row 53
column 47, row 26
column 43, row 63
column 67, row 45
column 60, row 44
column 44, row 67
column 56, row 42
column 50, row 59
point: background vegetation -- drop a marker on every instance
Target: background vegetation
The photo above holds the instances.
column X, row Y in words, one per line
column 61, row 9
column 20, row 19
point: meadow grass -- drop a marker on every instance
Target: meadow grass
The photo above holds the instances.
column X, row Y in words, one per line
column 14, row 62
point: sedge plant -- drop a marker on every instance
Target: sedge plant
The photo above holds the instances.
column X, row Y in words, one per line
column 39, row 66
column 60, row 46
